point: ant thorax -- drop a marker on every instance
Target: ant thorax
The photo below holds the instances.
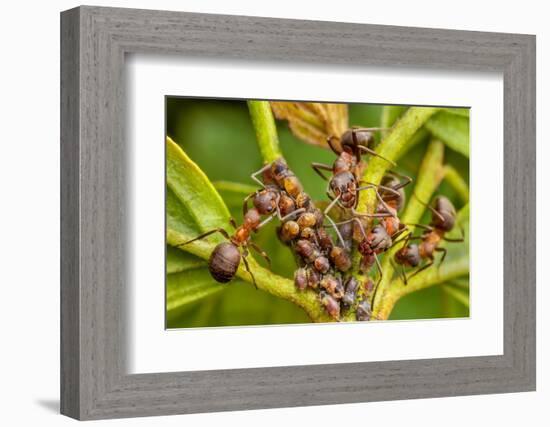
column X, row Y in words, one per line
column 345, row 162
column 429, row 242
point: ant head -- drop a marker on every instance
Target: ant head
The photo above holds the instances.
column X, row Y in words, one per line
column 353, row 137
column 265, row 201
column 279, row 169
column 445, row 214
column 408, row 255
column 343, row 185
column 379, row 239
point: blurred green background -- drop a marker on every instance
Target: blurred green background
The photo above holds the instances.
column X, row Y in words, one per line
column 218, row 136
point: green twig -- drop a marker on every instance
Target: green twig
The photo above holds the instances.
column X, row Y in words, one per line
column 234, row 187
column 458, row 294
column 266, row 130
column 428, row 179
column 391, row 147
column 265, row 279
column 454, row 179
column 429, row 277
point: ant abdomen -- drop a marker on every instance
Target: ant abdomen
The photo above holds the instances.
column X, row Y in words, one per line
column 224, row 262
column 445, row 217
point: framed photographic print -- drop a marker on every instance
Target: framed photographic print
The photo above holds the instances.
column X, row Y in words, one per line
column 277, row 213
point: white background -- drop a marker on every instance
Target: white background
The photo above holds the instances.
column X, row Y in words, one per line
column 152, row 349
column 29, row 176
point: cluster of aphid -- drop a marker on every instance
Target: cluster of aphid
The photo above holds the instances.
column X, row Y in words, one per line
column 323, row 265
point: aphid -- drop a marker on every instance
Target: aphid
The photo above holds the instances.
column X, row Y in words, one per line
column 340, row 258
column 363, row 311
column 411, row 255
column 324, row 240
column 321, row 264
column 330, row 304
column 289, row 231
column 352, row 286
column 313, row 278
column 226, row 257
column 333, row 286
column 300, row 279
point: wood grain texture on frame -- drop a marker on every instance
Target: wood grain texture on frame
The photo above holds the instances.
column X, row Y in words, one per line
column 94, row 269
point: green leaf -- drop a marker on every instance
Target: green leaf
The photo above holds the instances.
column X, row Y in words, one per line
column 178, row 261
column 194, row 206
column 192, row 200
column 266, row 130
column 452, row 129
column 457, row 293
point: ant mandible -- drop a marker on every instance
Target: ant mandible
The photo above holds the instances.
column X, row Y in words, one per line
column 443, row 221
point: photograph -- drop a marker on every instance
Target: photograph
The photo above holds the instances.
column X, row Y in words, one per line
column 291, row 212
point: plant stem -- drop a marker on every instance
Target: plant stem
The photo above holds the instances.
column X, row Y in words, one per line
column 454, row 179
column 234, row 187
column 425, row 279
column 391, row 147
column 265, row 279
column 266, row 130
column 428, row 179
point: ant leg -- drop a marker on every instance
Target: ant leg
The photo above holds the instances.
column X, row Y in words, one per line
column 403, row 275
column 208, row 233
column 261, row 252
column 421, row 269
column 398, row 233
column 265, row 221
column 407, row 179
column 443, row 257
column 401, row 270
column 245, row 202
column 375, row 215
column 362, row 129
column 336, row 231
column 255, row 174
column 325, row 213
column 429, row 207
column 423, row 226
column 247, row 267
column 374, row 153
column 461, row 239
column 379, row 197
column 330, row 142
column 379, row 267
column 291, row 214
column 319, row 167
column 233, row 223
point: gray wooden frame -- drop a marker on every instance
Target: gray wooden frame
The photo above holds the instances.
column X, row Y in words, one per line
column 94, row 41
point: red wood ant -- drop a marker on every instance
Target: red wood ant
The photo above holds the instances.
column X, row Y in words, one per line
column 226, row 256
column 443, row 221
column 344, row 185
